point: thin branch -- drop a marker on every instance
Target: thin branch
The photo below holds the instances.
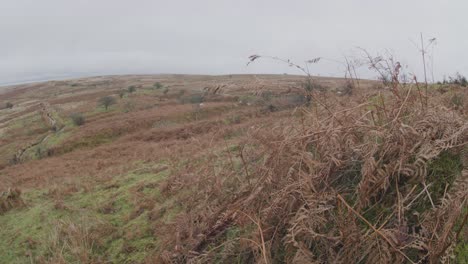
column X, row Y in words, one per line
column 263, row 247
column 373, row 227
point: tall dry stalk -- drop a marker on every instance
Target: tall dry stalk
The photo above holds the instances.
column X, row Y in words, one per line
column 376, row 166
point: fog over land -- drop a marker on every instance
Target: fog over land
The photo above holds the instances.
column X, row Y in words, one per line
column 57, row 39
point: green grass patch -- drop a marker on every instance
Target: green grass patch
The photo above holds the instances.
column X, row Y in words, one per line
column 97, row 222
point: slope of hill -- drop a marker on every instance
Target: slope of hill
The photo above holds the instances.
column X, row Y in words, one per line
column 239, row 168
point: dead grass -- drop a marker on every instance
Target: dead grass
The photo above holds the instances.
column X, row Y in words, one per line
column 361, row 178
column 338, row 184
column 10, row 199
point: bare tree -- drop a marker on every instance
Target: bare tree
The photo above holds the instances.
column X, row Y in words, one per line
column 106, row 101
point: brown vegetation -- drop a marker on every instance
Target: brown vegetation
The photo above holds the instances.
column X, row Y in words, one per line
column 10, row 199
column 348, row 186
column 255, row 175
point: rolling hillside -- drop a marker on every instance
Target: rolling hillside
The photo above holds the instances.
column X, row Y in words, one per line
column 232, row 169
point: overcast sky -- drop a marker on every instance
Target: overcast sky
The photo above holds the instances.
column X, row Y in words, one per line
column 54, row 38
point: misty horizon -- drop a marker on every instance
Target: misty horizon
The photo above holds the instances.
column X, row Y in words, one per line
column 59, row 39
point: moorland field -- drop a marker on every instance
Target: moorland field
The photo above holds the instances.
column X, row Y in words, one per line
column 233, row 169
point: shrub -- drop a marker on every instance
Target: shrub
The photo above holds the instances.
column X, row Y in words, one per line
column 233, row 119
column 347, row 88
column 10, row 199
column 40, row 153
column 106, row 101
column 165, row 91
column 272, row 108
column 294, row 100
column 196, row 98
column 157, row 85
column 457, row 100
column 131, row 89
column 458, row 79
column 78, row 119
column 129, row 106
column 191, row 98
column 121, row 94
column 310, row 85
column 267, row 96
column 9, row 105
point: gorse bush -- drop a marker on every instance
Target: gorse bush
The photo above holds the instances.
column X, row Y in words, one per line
column 131, row 89
column 8, row 105
column 40, row 153
column 157, row 85
column 78, row 119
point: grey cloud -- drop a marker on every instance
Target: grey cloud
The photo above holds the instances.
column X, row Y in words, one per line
column 70, row 37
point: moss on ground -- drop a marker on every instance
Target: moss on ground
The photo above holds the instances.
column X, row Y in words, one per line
column 35, row 232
